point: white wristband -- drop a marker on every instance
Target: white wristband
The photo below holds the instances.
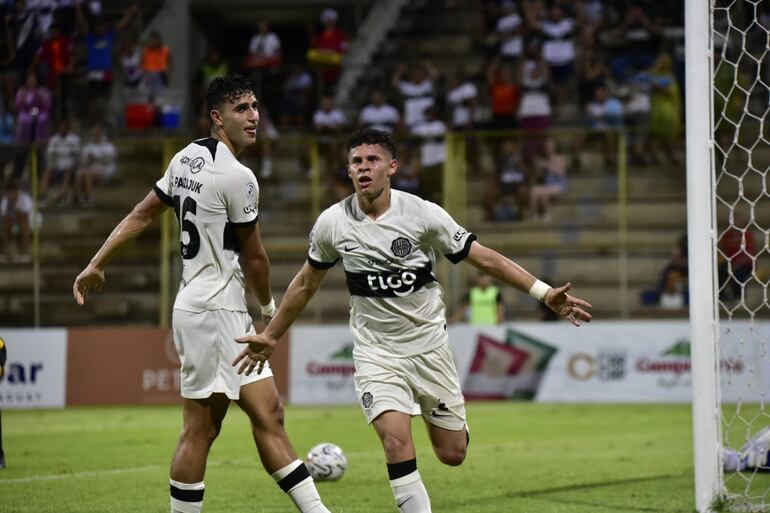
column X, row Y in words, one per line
column 538, row 289
column 268, row 310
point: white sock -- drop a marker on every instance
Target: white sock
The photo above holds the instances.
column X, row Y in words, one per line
column 411, row 495
column 295, row 480
column 186, row 498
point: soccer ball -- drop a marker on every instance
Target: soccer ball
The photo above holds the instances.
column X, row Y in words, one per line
column 326, row 462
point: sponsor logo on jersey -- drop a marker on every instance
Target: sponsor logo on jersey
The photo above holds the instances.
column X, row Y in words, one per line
column 401, row 247
column 250, row 208
column 396, row 283
column 459, row 234
column 195, row 164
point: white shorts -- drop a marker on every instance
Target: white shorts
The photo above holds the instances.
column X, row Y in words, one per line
column 426, row 383
column 206, row 345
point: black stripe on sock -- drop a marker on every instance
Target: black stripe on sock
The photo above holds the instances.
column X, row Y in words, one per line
column 396, row 470
column 186, row 495
column 296, row 476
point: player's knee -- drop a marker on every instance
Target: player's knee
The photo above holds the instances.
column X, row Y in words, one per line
column 394, row 446
column 452, row 456
column 204, row 435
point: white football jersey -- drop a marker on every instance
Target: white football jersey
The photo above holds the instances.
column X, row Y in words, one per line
column 396, row 304
column 211, row 192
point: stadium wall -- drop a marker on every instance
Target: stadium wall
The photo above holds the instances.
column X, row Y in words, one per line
column 549, row 362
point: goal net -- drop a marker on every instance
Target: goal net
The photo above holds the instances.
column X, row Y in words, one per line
column 728, row 145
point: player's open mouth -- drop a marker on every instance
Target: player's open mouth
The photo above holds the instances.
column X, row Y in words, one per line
column 365, row 181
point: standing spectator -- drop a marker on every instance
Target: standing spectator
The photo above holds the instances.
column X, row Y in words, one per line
column 23, row 35
column 483, row 305
column 131, row 66
column 57, row 54
column 638, row 108
column 666, row 110
column 511, row 179
column 417, row 92
column 509, row 29
column 604, row 116
column 33, row 112
column 462, row 98
column 97, row 165
column 593, row 73
column 264, row 60
column 431, row 134
column 329, row 47
column 550, row 181
column 62, row 156
column 297, row 96
column 156, row 65
column 535, row 107
column 329, row 121
column 379, row 114
column 639, row 33
column 17, row 215
column 100, row 42
column 504, row 93
column 558, row 33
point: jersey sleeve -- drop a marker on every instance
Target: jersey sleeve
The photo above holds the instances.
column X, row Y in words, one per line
column 445, row 235
column 322, row 253
column 163, row 186
column 241, row 197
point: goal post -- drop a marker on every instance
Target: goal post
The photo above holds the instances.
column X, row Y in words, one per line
column 701, row 230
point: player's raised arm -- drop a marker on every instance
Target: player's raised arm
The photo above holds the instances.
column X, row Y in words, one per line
column 505, row 269
column 260, row 346
column 141, row 217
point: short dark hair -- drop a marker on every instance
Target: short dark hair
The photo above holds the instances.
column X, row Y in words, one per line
column 372, row 136
column 228, row 88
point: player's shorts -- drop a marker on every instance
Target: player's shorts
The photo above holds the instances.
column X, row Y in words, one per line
column 424, row 384
column 206, row 345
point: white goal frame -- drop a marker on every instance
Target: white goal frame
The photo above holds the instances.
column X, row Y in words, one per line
column 702, row 235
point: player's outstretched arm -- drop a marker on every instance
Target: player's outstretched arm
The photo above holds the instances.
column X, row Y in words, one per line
column 260, row 346
column 142, row 216
column 505, row 269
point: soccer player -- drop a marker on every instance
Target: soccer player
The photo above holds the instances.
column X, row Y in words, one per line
column 388, row 241
column 754, row 456
column 216, row 202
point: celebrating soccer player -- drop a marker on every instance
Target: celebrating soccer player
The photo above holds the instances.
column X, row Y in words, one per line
column 216, row 202
column 388, row 241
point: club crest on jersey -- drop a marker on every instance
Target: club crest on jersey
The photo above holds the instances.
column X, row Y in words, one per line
column 401, row 247
column 251, row 191
column 195, row 164
column 367, row 400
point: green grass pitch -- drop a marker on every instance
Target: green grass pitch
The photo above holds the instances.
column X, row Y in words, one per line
column 523, row 457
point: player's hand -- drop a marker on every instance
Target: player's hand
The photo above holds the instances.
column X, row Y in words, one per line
column 571, row 307
column 91, row 278
column 258, row 349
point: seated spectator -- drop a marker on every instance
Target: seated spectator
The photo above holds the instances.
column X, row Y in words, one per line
column 328, row 48
column 33, row 112
column 509, row 28
column 17, row 215
column 97, row 165
column 329, row 123
column 511, row 179
column 156, row 65
column 417, row 91
column 62, row 156
column 379, row 114
column 604, row 115
column 637, row 105
column 735, row 258
column 673, row 279
column 550, row 181
column 431, row 136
